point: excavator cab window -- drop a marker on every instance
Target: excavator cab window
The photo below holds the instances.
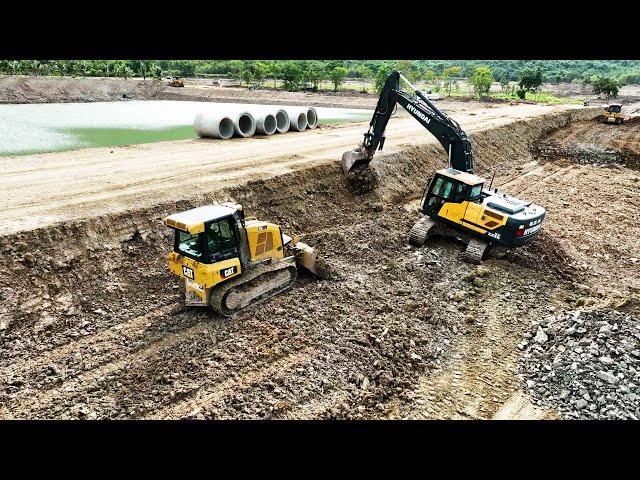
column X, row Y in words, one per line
column 446, row 190
column 475, row 193
column 614, row 109
column 221, row 240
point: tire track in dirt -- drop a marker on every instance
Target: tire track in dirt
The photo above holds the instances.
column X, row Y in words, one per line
column 193, row 404
column 91, row 352
column 83, row 381
column 482, row 374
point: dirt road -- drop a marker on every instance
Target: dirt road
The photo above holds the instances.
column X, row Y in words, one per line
column 39, row 190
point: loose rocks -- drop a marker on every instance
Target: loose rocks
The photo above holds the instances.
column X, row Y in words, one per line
column 585, row 364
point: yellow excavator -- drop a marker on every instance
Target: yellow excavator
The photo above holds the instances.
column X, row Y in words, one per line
column 229, row 263
column 613, row 114
column 455, row 202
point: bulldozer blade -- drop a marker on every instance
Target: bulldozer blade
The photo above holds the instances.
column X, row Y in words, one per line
column 353, row 159
column 307, row 257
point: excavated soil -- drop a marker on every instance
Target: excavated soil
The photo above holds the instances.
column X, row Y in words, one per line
column 595, row 143
column 93, row 326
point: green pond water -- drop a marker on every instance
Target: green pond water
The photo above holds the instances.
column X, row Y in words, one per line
column 39, row 128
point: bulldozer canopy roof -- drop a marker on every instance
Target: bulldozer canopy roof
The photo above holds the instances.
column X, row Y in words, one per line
column 193, row 220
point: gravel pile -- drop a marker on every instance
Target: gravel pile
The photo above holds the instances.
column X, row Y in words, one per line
column 586, row 365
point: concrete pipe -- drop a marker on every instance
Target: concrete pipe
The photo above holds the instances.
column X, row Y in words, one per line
column 298, row 119
column 213, row 125
column 266, row 124
column 282, row 117
column 282, row 121
column 312, row 117
column 245, row 124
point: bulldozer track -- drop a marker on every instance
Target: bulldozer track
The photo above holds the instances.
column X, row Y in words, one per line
column 205, row 397
column 255, row 279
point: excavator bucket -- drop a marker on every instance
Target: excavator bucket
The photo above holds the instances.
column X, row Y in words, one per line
column 353, row 159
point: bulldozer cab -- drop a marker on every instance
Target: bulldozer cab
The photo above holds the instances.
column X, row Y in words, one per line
column 209, row 234
column 451, row 185
column 613, row 108
column 218, row 241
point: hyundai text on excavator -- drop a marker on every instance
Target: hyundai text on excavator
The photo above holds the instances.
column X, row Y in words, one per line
column 455, row 202
column 229, row 263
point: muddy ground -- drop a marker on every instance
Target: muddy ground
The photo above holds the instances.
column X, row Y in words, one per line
column 92, row 325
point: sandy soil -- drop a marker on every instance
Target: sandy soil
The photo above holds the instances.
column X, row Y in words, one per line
column 42, row 189
column 92, row 325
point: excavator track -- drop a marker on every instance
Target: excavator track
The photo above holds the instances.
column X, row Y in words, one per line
column 255, row 286
column 420, row 231
column 475, row 251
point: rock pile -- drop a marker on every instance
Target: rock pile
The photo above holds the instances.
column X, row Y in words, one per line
column 585, row 364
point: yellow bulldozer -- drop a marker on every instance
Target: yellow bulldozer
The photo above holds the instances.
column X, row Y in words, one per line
column 176, row 82
column 613, row 114
column 229, row 263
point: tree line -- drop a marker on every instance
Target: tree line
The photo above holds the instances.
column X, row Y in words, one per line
column 606, row 75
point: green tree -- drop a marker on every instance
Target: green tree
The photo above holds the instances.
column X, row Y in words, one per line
column 448, row 74
column 606, row 85
column 247, row 76
column 260, row 70
column 337, row 75
column 430, row 76
column 275, row 72
column 381, row 77
column 145, row 68
column 123, row 70
column 530, row 79
column 314, row 73
column 481, row 79
column 292, row 75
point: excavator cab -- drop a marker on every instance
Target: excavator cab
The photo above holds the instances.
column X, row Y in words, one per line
column 451, row 186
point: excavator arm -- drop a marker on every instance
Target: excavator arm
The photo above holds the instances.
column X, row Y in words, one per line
column 452, row 138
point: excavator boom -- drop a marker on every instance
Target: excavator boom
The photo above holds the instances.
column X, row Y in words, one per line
column 447, row 131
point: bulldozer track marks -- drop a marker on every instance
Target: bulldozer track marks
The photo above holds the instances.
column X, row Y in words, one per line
column 207, row 396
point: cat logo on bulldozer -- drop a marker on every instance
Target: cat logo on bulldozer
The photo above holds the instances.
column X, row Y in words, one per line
column 227, row 272
column 188, row 272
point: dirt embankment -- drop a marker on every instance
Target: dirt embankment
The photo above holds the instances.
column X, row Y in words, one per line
column 42, row 189
column 22, row 89
column 206, row 93
column 26, row 89
column 93, row 324
column 595, row 143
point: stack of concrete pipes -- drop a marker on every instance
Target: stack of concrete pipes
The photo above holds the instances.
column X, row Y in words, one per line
column 246, row 121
